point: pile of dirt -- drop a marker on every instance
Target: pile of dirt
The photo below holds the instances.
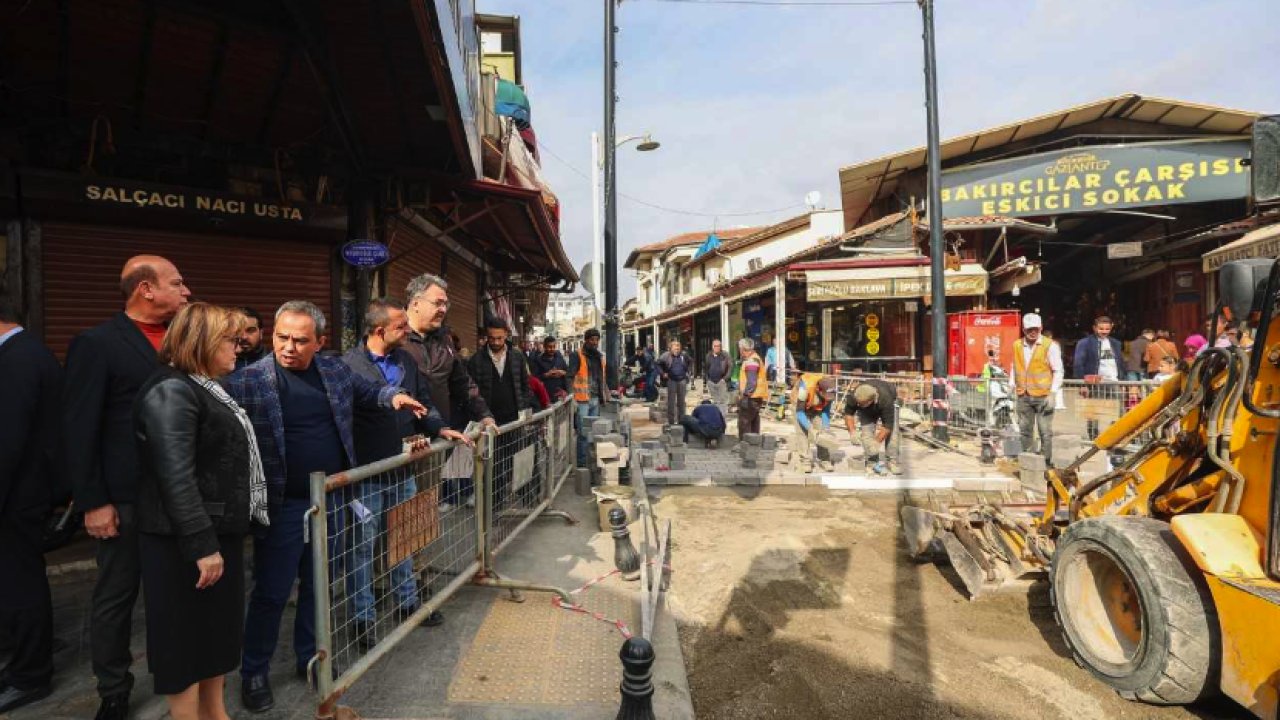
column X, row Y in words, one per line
column 799, row 603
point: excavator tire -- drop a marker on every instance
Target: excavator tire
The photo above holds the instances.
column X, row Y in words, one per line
column 1135, row 611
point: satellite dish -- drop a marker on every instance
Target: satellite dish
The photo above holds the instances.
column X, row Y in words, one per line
column 813, row 198
column 587, row 278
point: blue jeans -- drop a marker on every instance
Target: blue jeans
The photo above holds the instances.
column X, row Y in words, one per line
column 378, row 496
column 278, row 559
column 586, row 411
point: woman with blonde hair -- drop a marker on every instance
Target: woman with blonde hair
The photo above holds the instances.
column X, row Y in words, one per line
column 201, row 485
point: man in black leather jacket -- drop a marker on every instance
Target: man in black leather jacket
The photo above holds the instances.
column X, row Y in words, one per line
column 453, row 393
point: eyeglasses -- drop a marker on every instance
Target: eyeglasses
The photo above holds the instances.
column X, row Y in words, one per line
column 438, row 304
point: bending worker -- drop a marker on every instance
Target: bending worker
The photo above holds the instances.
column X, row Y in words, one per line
column 871, row 415
column 813, row 396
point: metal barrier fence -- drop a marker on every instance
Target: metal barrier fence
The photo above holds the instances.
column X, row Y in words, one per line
column 1082, row 408
column 385, row 553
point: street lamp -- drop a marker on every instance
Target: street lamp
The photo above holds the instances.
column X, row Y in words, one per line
column 646, row 143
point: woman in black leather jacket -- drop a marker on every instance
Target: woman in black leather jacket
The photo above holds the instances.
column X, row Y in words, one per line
column 201, row 485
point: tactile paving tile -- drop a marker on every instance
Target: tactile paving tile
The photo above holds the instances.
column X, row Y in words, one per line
column 533, row 653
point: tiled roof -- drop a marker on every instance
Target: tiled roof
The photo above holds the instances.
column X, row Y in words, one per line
column 689, row 238
column 759, row 234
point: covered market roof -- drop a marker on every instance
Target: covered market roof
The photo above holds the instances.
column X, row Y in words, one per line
column 864, row 183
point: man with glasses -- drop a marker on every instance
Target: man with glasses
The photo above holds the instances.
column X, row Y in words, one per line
column 452, row 391
column 1037, row 376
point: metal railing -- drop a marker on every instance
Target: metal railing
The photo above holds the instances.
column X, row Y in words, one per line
column 1082, row 408
column 385, row 555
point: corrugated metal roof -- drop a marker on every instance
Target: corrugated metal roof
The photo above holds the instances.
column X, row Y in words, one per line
column 863, row 183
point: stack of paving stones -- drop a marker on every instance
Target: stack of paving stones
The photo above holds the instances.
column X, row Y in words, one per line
column 676, row 448
column 750, row 449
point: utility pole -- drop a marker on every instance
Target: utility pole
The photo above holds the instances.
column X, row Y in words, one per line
column 937, row 249
column 612, row 342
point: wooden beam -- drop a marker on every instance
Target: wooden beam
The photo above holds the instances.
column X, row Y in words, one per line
column 380, row 30
column 277, row 89
column 215, row 77
column 64, row 58
column 326, row 77
column 144, row 63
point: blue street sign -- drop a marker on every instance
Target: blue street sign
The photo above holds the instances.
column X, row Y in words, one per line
column 365, row 253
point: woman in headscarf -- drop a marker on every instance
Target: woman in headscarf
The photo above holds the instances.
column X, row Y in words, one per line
column 1192, row 346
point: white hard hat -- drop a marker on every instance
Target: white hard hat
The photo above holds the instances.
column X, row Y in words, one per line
column 1031, row 320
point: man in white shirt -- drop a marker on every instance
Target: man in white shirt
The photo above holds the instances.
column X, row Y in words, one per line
column 1037, row 376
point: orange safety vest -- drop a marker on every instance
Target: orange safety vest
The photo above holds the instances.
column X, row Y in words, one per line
column 1034, row 379
column 582, row 381
column 762, row 384
column 813, row 402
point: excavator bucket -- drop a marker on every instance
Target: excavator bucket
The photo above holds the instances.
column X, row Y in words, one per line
column 985, row 547
column 919, row 530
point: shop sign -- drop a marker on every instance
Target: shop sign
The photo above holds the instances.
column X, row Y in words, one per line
column 1103, row 177
column 1116, row 251
column 365, row 253
column 149, row 198
column 889, row 288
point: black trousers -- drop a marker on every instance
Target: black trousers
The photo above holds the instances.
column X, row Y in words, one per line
column 114, row 596
column 26, row 609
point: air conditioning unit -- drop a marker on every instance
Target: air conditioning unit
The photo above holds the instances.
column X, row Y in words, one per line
column 755, row 264
column 713, row 277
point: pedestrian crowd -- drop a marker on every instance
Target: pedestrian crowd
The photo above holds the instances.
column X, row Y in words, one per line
column 184, row 429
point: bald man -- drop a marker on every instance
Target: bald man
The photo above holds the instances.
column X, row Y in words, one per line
column 105, row 367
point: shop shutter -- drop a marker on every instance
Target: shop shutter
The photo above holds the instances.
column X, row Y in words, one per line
column 82, row 272
column 464, row 299
column 413, row 252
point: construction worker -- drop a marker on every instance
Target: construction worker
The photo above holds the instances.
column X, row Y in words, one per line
column 813, row 396
column 870, row 415
column 1037, row 376
column 587, row 368
column 753, row 388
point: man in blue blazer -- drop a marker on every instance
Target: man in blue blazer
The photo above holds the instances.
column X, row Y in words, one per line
column 302, row 406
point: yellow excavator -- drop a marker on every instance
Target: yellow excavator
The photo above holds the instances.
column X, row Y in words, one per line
column 1164, row 572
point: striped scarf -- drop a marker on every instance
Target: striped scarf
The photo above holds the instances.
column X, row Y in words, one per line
column 257, row 479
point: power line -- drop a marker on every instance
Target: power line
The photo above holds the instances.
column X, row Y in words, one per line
column 675, row 211
column 793, row 3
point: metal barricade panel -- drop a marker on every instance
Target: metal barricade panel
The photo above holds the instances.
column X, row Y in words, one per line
column 391, row 551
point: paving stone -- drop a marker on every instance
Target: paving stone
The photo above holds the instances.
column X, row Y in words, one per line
column 1066, row 448
column 601, row 427
column 749, row 462
column 1031, row 461
column 651, row 444
column 646, row 458
column 752, row 439
column 769, row 442
column 606, row 451
column 987, row 484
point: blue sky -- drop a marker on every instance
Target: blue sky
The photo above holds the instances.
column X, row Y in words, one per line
column 756, row 106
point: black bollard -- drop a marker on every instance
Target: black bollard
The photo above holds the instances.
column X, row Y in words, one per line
column 625, row 557
column 637, row 680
